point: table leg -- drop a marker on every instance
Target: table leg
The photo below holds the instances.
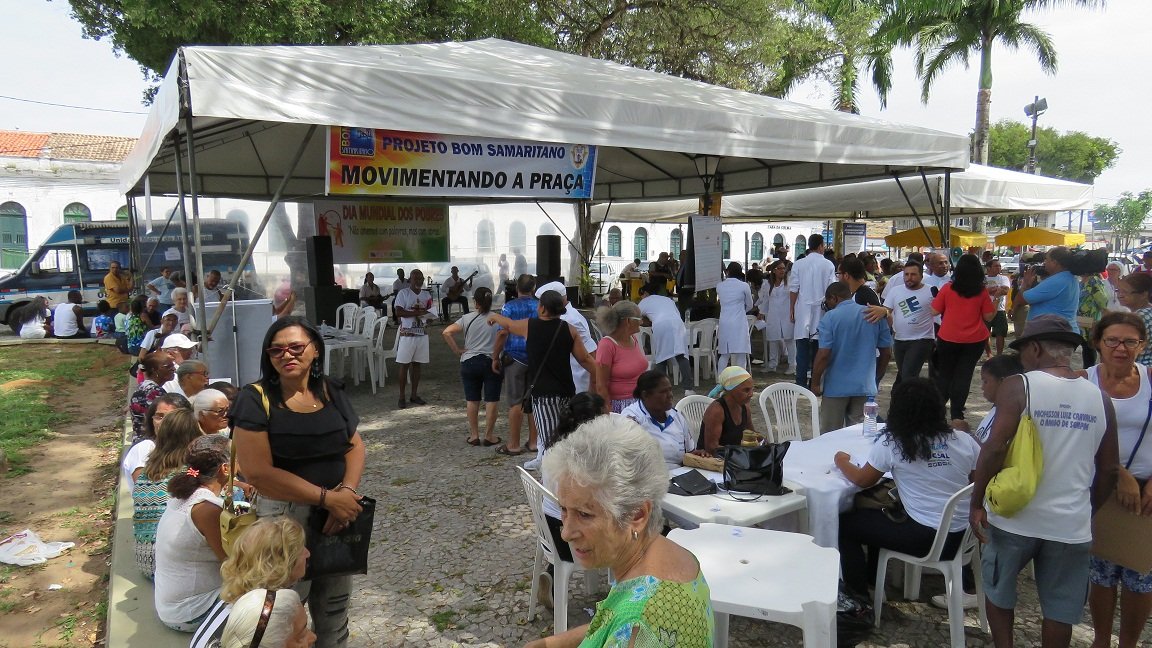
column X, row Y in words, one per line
column 720, row 638
column 819, row 625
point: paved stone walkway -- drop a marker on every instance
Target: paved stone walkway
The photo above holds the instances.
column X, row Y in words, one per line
column 452, row 550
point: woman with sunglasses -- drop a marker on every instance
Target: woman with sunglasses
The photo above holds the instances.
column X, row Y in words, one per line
column 295, row 435
column 268, row 618
column 619, row 357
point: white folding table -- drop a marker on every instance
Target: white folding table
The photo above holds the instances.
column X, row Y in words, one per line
column 771, row 575
column 809, row 464
column 722, row 508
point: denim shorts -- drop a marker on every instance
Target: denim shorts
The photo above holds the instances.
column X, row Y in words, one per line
column 1061, row 573
column 1107, row 574
column 479, row 379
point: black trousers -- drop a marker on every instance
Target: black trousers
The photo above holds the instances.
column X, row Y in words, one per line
column 911, row 356
column 864, row 532
column 955, row 366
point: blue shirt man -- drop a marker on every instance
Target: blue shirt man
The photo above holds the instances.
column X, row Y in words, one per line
column 852, row 357
column 1059, row 294
column 523, row 307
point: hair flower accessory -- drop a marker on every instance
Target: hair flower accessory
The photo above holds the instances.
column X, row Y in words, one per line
column 193, row 472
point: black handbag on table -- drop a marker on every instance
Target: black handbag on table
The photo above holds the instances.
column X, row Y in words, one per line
column 757, row 470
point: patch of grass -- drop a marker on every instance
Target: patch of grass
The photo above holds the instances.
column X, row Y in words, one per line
column 476, row 608
column 8, row 600
column 66, row 625
column 443, row 620
column 28, row 412
column 404, row 481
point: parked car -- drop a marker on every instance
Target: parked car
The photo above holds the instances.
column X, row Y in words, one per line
column 605, row 277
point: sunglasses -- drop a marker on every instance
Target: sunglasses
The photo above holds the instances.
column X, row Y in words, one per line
column 295, row 350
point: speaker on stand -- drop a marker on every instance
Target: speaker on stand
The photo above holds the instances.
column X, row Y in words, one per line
column 322, row 296
column 547, row 259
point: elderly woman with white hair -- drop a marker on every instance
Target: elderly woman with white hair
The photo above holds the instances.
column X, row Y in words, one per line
column 1115, row 272
column 609, row 479
column 268, row 618
column 181, row 306
column 211, row 408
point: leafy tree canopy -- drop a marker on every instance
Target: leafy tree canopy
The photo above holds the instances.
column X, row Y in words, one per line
column 1072, row 155
column 737, row 43
column 1126, row 217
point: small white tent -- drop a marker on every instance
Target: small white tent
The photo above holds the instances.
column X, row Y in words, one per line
column 977, row 190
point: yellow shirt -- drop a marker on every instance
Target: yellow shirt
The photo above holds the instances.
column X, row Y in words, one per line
column 116, row 288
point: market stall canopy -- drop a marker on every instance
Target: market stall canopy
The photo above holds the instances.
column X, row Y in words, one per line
column 1039, row 236
column 978, row 190
column 252, row 107
column 915, row 238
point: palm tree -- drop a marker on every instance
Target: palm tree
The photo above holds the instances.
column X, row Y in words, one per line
column 945, row 32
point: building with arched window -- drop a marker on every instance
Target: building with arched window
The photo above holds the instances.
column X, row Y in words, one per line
column 517, row 236
column 676, row 243
column 13, row 234
column 613, row 241
column 726, row 246
column 485, row 236
column 756, row 254
column 77, row 213
column 640, row 244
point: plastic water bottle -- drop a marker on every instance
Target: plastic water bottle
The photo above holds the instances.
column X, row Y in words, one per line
column 870, row 411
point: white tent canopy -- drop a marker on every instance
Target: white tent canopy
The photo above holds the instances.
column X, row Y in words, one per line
column 251, row 109
column 978, row 190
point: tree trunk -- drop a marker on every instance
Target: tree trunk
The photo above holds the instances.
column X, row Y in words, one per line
column 983, row 108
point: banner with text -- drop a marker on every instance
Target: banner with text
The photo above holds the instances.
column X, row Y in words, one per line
column 367, row 161
column 383, row 232
column 706, row 234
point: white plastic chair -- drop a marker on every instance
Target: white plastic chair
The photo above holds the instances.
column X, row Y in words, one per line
column 785, row 398
column 692, row 409
column 346, row 316
column 644, row 339
column 968, row 552
column 546, row 553
column 381, row 354
column 702, row 347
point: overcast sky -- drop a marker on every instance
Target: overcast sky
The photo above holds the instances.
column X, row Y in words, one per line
column 1103, row 55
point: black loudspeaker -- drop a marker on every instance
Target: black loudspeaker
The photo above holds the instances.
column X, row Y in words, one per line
column 547, row 258
column 321, row 303
column 320, row 269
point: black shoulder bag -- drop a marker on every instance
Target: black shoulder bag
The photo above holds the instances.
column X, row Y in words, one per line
column 758, row 470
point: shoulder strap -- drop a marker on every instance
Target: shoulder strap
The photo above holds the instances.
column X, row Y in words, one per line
column 1143, row 430
column 232, row 449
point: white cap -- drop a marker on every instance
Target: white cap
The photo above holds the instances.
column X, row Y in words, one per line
column 178, row 340
column 554, row 286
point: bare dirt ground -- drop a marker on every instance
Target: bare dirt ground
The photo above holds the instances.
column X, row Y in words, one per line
column 63, row 493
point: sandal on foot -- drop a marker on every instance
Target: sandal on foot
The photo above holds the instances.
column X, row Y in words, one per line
column 486, row 443
column 503, row 450
column 416, row 400
column 473, row 442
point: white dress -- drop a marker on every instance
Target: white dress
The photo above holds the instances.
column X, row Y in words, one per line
column 735, row 301
column 669, row 335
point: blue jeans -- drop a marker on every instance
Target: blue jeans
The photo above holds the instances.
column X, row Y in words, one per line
column 805, row 354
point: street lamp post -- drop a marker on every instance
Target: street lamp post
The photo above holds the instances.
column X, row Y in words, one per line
column 1034, row 110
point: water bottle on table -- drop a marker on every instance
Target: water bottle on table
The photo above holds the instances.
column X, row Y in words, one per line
column 871, row 408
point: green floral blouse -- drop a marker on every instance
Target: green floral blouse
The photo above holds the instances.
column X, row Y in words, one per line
column 655, row 613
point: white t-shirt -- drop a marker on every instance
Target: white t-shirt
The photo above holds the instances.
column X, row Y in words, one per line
column 408, row 299
column 998, row 281
column 926, row 486
column 1069, row 415
column 985, row 427
column 34, row 329
column 187, row 570
column 810, row 277
column 1130, row 416
column 911, row 317
column 136, row 457
column 478, row 335
column 64, row 322
column 674, row 437
column 182, row 317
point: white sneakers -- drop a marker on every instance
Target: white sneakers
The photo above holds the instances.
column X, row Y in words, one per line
column 970, row 602
column 532, row 464
column 689, row 392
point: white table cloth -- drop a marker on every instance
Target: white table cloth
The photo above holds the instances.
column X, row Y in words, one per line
column 809, row 464
column 336, row 340
column 771, row 575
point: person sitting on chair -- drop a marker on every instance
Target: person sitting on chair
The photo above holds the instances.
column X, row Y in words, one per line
column 454, row 288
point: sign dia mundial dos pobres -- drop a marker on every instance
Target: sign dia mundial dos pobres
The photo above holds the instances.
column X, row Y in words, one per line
column 374, row 162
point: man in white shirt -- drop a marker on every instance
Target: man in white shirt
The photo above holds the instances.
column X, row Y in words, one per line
column 936, row 265
column 998, row 286
column 67, row 319
column 810, row 277
column 400, row 284
column 1076, row 426
column 907, row 305
column 162, row 286
column 413, row 306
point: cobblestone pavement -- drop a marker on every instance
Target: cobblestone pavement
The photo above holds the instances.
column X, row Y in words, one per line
column 452, row 548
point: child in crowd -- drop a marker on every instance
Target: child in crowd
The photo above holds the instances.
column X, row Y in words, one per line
column 103, row 325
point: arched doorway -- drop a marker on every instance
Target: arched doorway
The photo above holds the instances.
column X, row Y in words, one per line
column 640, row 243
column 756, row 254
column 676, row 242
column 13, row 235
column 614, row 241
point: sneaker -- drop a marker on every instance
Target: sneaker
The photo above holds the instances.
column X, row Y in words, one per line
column 544, row 590
column 969, row 601
column 532, row 464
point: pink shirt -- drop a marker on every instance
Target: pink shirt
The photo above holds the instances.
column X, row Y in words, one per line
column 625, row 366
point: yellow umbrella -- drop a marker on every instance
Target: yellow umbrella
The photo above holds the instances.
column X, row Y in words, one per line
column 1038, row 236
column 915, row 238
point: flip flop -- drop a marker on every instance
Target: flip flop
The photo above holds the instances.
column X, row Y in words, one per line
column 473, row 442
column 486, row 443
column 503, row 450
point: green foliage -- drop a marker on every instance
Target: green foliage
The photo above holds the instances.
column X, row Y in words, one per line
column 1126, row 217
column 842, row 41
column 738, row 43
column 1073, row 155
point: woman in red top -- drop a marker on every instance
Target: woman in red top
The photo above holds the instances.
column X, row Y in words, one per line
column 966, row 309
column 619, row 358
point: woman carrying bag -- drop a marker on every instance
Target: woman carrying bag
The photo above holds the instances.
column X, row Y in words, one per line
column 295, row 435
column 1120, row 338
